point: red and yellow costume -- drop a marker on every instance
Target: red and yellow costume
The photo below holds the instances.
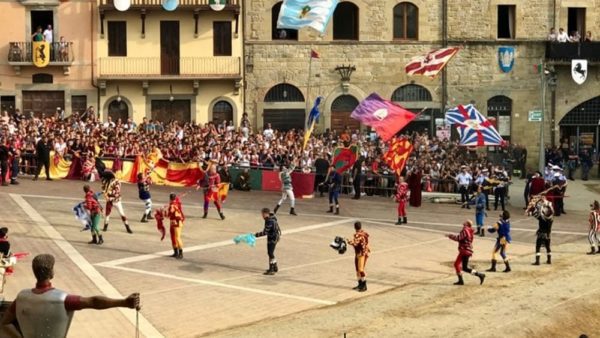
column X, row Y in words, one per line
column 360, row 242
column 402, row 194
column 176, row 218
column 211, row 191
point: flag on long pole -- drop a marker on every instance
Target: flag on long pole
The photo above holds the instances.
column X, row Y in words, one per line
column 473, row 128
column 312, row 120
column 431, row 63
column 397, row 154
column 386, row 117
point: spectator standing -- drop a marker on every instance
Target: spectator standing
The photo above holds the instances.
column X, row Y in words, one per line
column 588, row 37
column 562, row 36
column 575, row 37
column 414, row 184
column 48, row 34
column 552, row 35
column 321, row 166
column 586, row 164
column 42, row 150
column 37, row 35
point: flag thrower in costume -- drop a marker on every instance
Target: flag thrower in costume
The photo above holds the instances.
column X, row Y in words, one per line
column 431, row 63
column 159, row 217
column 82, row 215
column 386, row 117
column 296, row 14
column 249, row 239
column 473, row 128
column 312, row 120
column 397, row 154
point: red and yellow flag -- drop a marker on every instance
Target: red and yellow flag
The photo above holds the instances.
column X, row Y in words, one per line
column 397, row 154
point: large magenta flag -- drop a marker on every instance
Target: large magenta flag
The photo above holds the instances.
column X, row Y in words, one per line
column 386, row 117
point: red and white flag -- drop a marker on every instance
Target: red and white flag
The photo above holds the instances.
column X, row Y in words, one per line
column 431, row 63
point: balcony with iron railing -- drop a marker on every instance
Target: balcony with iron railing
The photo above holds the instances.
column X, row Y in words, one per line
column 20, row 54
column 218, row 67
column 183, row 4
column 558, row 52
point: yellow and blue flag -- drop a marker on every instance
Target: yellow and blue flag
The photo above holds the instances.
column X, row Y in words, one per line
column 312, row 120
column 296, row 14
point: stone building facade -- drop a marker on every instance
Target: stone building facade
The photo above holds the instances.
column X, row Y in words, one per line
column 374, row 39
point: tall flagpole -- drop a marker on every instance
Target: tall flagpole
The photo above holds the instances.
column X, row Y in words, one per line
column 308, row 86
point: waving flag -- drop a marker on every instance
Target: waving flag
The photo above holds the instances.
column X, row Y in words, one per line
column 431, row 63
column 386, row 117
column 397, row 154
column 295, row 14
column 82, row 216
column 249, row 239
column 474, row 129
column 344, row 158
column 312, row 120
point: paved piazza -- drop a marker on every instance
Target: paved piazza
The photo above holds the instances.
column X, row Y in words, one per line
column 219, row 285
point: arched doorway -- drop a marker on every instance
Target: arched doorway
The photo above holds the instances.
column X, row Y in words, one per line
column 222, row 111
column 284, row 107
column 341, row 108
column 416, row 98
column 579, row 128
column 118, row 109
column 499, row 111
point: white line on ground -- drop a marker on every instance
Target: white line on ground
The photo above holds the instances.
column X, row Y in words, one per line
column 227, row 286
column 146, row 328
column 134, row 259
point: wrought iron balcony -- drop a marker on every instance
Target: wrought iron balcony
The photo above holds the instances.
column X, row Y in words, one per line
column 218, row 67
column 20, row 54
column 183, row 4
column 567, row 51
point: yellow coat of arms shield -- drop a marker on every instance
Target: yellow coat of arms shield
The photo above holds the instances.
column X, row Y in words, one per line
column 41, row 53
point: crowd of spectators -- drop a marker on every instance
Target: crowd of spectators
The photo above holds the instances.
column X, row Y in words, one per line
column 86, row 137
column 562, row 36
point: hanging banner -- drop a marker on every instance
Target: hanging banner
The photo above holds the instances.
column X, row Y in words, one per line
column 41, row 53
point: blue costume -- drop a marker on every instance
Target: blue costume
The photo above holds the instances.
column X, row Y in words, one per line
column 480, row 213
column 335, row 186
column 503, row 229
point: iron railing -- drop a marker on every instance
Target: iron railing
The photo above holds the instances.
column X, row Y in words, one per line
column 60, row 52
column 156, row 3
column 567, row 51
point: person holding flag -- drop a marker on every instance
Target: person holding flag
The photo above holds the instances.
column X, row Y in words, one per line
column 111, row 186
column 273, row 233
column 143, row 182
column 94, row 209
column 211, row 184
column 334, row 181
column 285, row 176
column 402, row 194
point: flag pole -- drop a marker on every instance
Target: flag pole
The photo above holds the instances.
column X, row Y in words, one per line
column 308, row 85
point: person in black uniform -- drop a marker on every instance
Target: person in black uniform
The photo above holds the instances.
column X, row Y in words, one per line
column 321, row 166
column 42, row 149
column 273, row 234
column 357, row 176
column 14, row 169
column 4, row 153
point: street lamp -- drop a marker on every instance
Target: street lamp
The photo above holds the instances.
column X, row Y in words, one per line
column 547, row 80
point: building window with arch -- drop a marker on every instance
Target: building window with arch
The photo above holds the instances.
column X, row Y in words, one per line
column 341, row 109
column 345, row 21
column 222, row 111
column 418, row 99
column 499, row 111
column 579, row 128
column 118, row 109
column 284, row 107
column 406, row 21
column 280, row 34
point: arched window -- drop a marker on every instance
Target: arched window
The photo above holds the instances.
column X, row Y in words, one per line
column 284, row 92
column 284, row 107
column 411, row 93
column 341, row 109
column 499, row 111
column 118, row 110
column 406, row 21
column 222, row 111
column 280, row 34
column 345, row 21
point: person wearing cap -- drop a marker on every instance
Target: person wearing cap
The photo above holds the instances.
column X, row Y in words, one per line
column 273, row 233
column 464, row 179
column 501, row 178
column 502, row 227
column 594, row 221
column 544, row 212
column 4, row 243
column 111, row 187
column 360, row 242
column 334, row 181
column 143, row 183
column 287, row 190
column 176, row 217
column 465, row 251
column 44, row 311
column 483, row 181
column 94, row 208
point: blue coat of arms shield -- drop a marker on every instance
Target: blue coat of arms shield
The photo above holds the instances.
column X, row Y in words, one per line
column 506, row 58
